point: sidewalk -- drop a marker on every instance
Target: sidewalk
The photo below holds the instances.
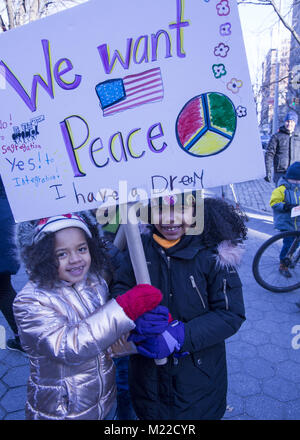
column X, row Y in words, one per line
column 14, row 370
column 254, row 194
column 263, row 366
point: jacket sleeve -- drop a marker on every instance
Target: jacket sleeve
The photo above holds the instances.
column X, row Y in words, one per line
column 115, row 255
column 115, row 258
column 226, row 312
column 278, row 198
column 270, row 153
column 45, row 329
column 124, row 278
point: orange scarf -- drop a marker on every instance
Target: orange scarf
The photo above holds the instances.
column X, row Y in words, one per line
column 165, row 243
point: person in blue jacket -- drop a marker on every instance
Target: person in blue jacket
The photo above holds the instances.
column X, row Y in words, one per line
column 202, row 291
column 283, row 199
column 9, row 266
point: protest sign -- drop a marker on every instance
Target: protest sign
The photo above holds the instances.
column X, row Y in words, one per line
column 108, row 100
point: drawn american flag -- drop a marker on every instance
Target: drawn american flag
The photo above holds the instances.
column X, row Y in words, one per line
column 118, row 95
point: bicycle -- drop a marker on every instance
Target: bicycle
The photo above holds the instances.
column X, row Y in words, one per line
column 266, row 263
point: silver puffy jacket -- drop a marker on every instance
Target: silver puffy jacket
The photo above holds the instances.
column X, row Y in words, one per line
column 70, row 335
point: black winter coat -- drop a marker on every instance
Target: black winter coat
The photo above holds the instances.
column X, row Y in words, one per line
column 209, row 301
column 283, row 150
column 8, row 261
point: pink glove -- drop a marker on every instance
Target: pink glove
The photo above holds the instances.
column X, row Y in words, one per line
column 138, row 300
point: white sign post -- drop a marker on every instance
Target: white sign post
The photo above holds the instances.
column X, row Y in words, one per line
column 154, row 93
column 137, row 256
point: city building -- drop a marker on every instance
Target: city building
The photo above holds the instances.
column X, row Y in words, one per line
column 294, row 84
column 273, row 82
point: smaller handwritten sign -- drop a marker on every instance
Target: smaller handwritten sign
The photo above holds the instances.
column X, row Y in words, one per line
column 295, row 212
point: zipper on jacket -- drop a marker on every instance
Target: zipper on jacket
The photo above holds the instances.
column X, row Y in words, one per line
column 169, row 275
column 81, row 301
column 297, row 202
column 197, row 290
column 225, row 292
column 100, row 408
column 169, row 262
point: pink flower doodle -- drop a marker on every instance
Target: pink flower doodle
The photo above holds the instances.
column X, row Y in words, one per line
column 221, row 50
column 225, row 29
column 223, row 8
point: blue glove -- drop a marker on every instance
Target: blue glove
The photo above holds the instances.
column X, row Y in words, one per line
column 161, row 346
column 289, row 206
column 151, row 323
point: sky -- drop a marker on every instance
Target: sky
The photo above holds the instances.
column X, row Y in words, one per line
column 257, row 23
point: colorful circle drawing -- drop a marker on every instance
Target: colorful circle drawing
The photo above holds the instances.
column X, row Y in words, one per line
column 206, row 124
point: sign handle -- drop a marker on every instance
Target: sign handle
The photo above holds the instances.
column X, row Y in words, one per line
column 120, row 238
column 137, row 255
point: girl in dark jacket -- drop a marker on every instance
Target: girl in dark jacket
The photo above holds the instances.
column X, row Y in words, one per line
column 203, row 293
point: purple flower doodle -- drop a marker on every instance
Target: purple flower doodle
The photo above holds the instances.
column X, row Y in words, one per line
column 241, row 111
column 223, row 8
column 221, row 50
column 225, row 29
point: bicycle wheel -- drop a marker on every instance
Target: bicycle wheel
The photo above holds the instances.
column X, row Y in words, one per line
column 265, row 265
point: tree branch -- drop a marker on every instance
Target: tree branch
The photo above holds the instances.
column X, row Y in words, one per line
column 285, row 23
column 2, row 24
column 276, row 10
column 10, row 13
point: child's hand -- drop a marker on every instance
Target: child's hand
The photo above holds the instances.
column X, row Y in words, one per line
column 138, row 300
column 159, row 347
column 151, row 323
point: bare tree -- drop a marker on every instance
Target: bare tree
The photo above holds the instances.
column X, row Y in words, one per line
column 14, row 13
column 277, row 11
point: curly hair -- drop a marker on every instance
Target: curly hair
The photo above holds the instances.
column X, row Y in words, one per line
column 42, row 264
column 222, row 221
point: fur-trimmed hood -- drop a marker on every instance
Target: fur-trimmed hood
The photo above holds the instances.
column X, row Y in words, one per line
column 229, row 254
column 24, row 233
column 23, row 237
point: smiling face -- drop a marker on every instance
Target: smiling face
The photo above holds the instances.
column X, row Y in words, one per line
column 174, row 224
column 72, row 253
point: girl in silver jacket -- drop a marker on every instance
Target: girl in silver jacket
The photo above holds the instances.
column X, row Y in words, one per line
column 66, row 324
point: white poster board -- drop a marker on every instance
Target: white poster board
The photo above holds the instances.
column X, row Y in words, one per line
column 155, row 94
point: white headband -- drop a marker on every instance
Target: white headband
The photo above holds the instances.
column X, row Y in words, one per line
column 54, row 224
